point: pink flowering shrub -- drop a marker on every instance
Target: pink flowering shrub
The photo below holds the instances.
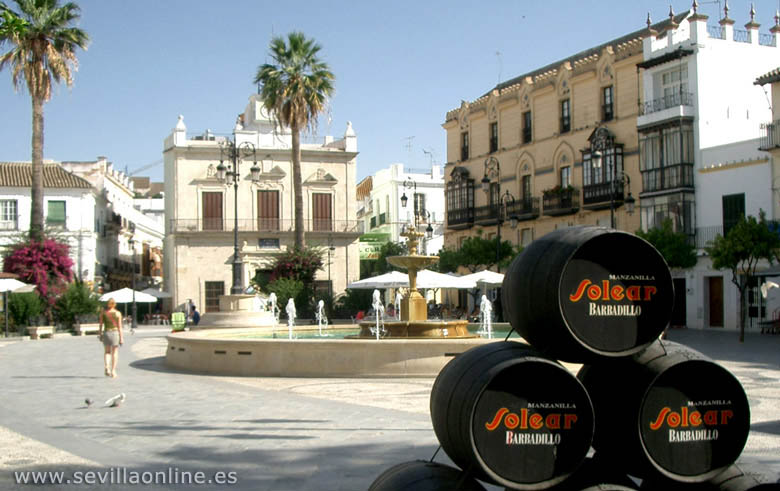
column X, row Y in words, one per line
column 298, row 264
column 45, row 264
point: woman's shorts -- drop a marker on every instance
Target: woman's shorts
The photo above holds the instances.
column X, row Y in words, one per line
column 111, row 338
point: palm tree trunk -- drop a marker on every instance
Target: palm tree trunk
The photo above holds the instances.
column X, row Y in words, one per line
column 36, row 192
column 297, row 187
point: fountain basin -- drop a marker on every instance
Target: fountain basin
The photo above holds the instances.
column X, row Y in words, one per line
column 427, row 329
column 215, row 352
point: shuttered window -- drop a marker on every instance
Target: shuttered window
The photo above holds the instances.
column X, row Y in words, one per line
column 212, row 211
column 213, row 290
column 55, row 215
column 322, row 212
column 268, row 210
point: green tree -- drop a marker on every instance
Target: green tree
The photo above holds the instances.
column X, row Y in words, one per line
column 23, row 307
column 43, row 45
column 673, row 246
column 285, row 289
column 295, row 90
column 748, row 242
column 389, row 249
column 476, row 254
column 76, row 301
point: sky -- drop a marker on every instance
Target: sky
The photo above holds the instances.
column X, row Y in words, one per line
column 399, row 68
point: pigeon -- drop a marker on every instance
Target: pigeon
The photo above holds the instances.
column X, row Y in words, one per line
column 88, row 402
column 116, row 401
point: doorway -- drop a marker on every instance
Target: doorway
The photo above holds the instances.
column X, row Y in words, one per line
column 716, row 301
column 679, row 312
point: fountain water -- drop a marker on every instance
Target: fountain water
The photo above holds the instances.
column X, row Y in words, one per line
column 379, row 311
column 486, row 317
column 290, row 309
column 322, row 319
column 413, row 307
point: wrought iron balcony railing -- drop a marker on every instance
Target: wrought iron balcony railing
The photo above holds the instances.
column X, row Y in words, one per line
column 460, row 218
column 563, row 202
column 524, row 209
column 601, row 194
column 671, row 100
column 667, row 178
column 185, row 225
column 770, row 135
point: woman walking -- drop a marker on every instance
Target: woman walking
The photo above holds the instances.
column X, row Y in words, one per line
column 110, row 332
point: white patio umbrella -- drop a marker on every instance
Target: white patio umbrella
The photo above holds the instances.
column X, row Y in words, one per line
column 432, row 279
column 393, row 279
column 9, row 283
column 486, row 278
column 156, row 293
column 125, row 295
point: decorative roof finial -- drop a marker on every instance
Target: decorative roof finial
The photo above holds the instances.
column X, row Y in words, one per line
column 671, row 12
column 777, row 17
column 752, row 13
column 726, row 10
column 649, row 22
column 695, row 7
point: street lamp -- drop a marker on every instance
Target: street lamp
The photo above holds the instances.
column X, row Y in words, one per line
column 411, row 184
column 330, row 251
column 233, row 152
column 617, row 176
column 493, row 171
column 133, row 322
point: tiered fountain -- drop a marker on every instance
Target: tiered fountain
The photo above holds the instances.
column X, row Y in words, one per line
column 414, row 321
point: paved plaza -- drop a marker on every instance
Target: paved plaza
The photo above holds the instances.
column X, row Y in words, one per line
column 273, row 434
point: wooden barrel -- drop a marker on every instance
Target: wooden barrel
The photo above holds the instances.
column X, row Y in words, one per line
column 668, row 412
column 421, row 475
column 738, row 477
column 597, row 475
column 581, row 293
column 512, row 416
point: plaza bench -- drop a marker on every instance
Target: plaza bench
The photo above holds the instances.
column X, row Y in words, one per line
column 82, row 329
column 37, row 332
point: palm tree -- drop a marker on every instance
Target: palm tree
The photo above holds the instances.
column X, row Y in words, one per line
column 295, row 90
column 42, row 47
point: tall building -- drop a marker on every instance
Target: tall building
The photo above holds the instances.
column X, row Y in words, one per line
column 201, row 210
column 622, row 134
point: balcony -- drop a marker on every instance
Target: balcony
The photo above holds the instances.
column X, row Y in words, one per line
column 561, row 202
column 667, row 178
column 599, row 196
column 486, row 215
column 770, row 136
column 668, row 102
column 272, row 225
column 460, row 218
column 705, row 235
column 524, row 209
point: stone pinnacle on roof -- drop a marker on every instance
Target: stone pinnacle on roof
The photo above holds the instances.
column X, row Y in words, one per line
column 752, row 24
column 695, row 7
column 776, row 28
column 726, row 20
column 726, row 10
column 672, row 24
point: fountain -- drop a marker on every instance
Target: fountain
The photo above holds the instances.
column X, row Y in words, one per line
column 322, row 319
column 414, row 321
column 486, row 318
column 290, row 309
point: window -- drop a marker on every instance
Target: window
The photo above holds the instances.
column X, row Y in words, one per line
column 666, row 157
column 268, row 210
column 611, row 164
column 493, row 137
column 678, row 207
column 674, row 83
column 419, row 204
column 527, row 122
column 213, row 290
column 565, row 176
column 460, row 199
column 733, row 210
column 212, row 211
column 607, row 108
column 526, row 236
column 55, row 216
column 8, row 214
column 525, row 189
column 322, row 211
column 565, row 116
column 464, row 146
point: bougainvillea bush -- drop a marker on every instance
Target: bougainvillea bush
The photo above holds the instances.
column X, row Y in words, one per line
column 45, row 264
column 298, row 264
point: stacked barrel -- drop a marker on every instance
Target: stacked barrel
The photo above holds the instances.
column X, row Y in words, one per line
column 511, row 414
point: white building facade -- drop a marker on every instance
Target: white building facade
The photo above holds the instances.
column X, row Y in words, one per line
column 201, row 214
column 69, row 204
column 700, row 161
column 383, row 214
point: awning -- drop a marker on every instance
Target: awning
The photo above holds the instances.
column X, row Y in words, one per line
column 665, row 58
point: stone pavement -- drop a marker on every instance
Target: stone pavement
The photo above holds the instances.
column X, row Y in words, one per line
column 274, row 433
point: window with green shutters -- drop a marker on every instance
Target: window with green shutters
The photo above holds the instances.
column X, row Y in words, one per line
column 55, row 215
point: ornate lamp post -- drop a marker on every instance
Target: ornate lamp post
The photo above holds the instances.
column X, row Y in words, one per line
column 134, row 322
column 493, row 171
column 231, row 175
column 617, row 176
